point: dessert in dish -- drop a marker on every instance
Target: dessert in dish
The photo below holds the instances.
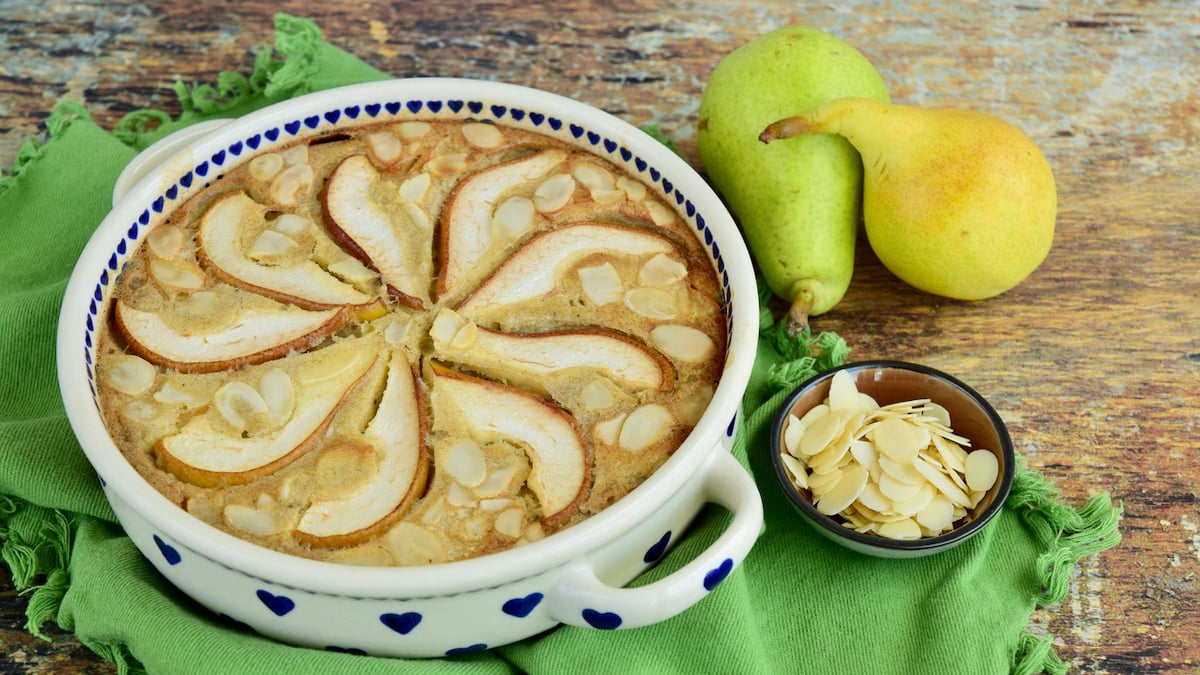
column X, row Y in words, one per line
column 410, row 343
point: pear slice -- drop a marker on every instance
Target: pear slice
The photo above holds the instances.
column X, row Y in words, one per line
column 306, row 285
column 361, row 226
column 209, row 454
column 397, row 433
column 465, row 228
column 255, row 336
column 526, row 359
column 534, row 270
column 561, row 467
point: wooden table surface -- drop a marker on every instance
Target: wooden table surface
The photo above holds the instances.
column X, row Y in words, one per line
column 1094, row 361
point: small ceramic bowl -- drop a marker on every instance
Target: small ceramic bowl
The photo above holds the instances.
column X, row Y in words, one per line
column 888, row 382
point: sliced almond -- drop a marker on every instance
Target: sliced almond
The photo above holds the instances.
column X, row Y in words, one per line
column 645, row 426
column 554, row 193
column 271, row 244
column 597, row 394
column 411, row 130
column 414, row 187
column 130, row 374
column 465, row 463
column 513, row 217
column 608, row 431
column 265, row 167
column 633, row 189
column 498, row 482
column 290, row 183
column 660, row 214
column 482, row 135
column 251, row 520
column 448, row 164
column 652, row 303
column 601, row 283
column 685, row 343
column 165, row 241
column 592, row 176
column 511, row 522
column 384, row 148
column 177, row 276
column 236, row 402
column 662, row 270
column 411, row 544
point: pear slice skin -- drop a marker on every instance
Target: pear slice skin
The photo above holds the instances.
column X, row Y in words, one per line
column 529, row 357
column 306, row 285
column 397, row 432
column 531, row 271
column 254, row 337
column 364, row 230
column 465, row 228
column 562, row 464
column 203, row 454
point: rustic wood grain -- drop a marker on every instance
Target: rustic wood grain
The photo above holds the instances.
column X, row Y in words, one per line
column 1094, row 361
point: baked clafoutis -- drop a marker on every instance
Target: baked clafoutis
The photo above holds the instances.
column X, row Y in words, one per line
column 410, row 342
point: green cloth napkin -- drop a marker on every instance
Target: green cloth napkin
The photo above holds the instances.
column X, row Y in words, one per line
column 797, row 604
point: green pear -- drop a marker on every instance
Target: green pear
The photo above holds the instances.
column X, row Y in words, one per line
column 955, row 202
column 798, row 203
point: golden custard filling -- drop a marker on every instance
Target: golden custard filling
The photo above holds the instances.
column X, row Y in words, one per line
column 410, row 343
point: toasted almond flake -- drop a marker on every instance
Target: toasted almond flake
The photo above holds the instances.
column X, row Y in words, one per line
column 140, row 410
column 251, row 520
column 645, row 426
column 264, row 167
column 295, row 155
column 607, row 431
column 414, row 187
column 495, row 504
column 384, row 148
column 513, row 217
column 290, row 183
column 597, row 394
column 465, row 337
column 554, row 193
column 447, row 330
column 411, row 130
column 606, row 197
column 685, row 343
column 601, row 283
column 661, row 270
column 511, row 523
column 237, row 401
column 633, row 189
column 411, row 544
column 172, row 394
column 276, row 389
column 178, row 275
column 498, row 482
column 165, row 241
column 693, row 407
column 592, row 176
column 458, row 495
column 352, row 270
column 448, row 164
column 660, row 214
column 465, row 463
column 270, row 244
column 482, row 135
column 652, row 303
column 131, row 375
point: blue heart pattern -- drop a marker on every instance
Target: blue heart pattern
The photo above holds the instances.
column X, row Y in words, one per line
column 601, row 620
column 169, row 552
column 279, row 605
column 401, row 623
column 522, row 607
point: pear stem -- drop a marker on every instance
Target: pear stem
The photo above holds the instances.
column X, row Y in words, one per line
column 797, row 316
column 787, row 128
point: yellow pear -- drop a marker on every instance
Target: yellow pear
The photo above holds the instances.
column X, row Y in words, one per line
column 957, row 203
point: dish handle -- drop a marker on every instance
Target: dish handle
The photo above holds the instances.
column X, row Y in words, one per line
column 582, row 599
column 152, row 157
